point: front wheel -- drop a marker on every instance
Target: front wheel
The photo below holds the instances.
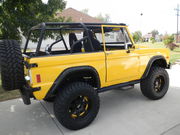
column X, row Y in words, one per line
column 77, row 105
column 156, row 84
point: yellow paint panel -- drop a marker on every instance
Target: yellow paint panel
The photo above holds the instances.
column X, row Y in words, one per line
column 51, row 67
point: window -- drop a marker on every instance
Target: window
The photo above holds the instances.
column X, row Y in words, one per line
column 116, row 38
column 53, row 42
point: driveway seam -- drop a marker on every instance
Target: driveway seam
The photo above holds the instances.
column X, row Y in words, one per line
column 54, row 121
column 170, row 129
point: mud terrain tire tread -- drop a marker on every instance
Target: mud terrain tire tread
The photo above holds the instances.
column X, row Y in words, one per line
column 64, row 98
column 147, row 83
column 11, row 64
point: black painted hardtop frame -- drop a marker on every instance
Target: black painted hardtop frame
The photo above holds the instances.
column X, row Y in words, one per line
column 42, row 27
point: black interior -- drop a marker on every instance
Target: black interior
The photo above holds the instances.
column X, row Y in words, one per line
column 95, row 43
column 75, row 46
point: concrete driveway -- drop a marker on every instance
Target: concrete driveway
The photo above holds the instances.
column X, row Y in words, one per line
column 121, row 113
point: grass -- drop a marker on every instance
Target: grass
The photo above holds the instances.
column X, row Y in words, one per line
column 174, row 57
column 175, row 54
column 4, row 95
column 8, row 95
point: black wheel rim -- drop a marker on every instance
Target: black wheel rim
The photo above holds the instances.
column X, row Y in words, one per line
column 159, row 83
column 79, row 107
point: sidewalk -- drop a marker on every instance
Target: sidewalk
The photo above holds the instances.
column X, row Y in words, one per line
column 121, row 113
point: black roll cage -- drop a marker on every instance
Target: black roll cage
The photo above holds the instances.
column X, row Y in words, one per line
column 57, row 26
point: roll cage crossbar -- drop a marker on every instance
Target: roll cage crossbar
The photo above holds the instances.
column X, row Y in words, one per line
column 42, row 27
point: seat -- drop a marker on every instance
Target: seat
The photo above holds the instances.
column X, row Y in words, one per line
column 86, row 43
column 95, row 43
column 74, row 47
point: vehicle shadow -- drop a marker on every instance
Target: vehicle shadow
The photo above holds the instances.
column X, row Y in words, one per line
column 119, row 109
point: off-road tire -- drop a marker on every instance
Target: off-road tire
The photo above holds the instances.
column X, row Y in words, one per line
column 148, row 84
column 64, row 99
column 11, row 64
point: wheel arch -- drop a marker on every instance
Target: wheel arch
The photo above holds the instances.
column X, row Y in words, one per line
column 75, row 73
column 155, row 61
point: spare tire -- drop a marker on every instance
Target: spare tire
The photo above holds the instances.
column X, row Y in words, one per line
column 11, row 65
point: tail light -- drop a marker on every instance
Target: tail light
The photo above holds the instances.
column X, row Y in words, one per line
column 38, row 78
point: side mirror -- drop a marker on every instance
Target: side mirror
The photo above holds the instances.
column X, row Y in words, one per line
column 128, row 51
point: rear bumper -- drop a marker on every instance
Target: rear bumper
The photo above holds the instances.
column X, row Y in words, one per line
column 27, row 94
column 169, row 66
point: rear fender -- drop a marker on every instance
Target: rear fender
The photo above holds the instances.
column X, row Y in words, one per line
column 67, row 72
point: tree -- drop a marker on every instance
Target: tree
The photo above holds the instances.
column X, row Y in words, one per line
column 105, row 18
column 18, row 16
column 85, row 11
column 137, row 36
column 154, row 33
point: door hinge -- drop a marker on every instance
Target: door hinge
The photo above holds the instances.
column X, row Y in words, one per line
column 28, row 66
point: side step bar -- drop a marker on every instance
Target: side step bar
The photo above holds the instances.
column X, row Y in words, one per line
column 118, row 85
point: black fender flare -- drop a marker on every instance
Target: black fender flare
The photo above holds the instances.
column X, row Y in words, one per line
column 150, row 63
column 68, row 71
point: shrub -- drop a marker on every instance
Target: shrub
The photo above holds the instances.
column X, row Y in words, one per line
column 137, row 36
column 168, row 42
column 153, row 40
column 167, row 39
column 172, row 46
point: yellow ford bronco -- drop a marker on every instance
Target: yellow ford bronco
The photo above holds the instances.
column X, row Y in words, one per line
column 79, row 62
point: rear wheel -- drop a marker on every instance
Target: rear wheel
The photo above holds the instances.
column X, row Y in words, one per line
column 11, row 65
column 49, row 99
column 77, row 105
column 156, row 84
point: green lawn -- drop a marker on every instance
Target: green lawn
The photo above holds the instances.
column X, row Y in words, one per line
column 175, row 54
column 8, row 95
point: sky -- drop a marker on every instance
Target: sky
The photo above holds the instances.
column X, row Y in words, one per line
column 157, row 14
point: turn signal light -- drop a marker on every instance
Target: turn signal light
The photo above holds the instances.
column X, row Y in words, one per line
column 38, row 78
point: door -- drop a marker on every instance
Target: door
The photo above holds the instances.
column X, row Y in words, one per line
column 122, row 64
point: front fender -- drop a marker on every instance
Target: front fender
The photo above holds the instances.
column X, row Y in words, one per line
column 151, row 63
